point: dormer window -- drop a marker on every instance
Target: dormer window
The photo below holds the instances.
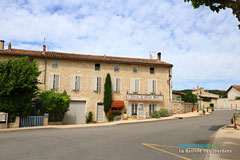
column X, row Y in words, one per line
column 55, row 64
column 97, row 67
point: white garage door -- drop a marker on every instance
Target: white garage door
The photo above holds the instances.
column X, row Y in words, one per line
column 76, row 113
column 100, row 115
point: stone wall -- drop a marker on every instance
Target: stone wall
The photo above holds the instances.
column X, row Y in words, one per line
column 183, row 107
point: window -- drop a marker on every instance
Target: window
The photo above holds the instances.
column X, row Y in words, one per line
column 152, row 86
column 54, row 81
column 55, row 64
column 97, row 84
column 135, row 85
column 151, row 109
column 97, row 67
column 152, row 70
column 116, row 84
column 134, row 109
column 116, row 68
column 76, row 83
column 135, row 69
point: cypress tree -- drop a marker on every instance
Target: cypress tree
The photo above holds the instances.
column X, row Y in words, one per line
column 107, row 100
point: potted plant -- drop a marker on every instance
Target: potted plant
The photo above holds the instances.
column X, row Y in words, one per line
column 124, row 116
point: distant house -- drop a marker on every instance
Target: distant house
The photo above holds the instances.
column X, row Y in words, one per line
column 233, row 92
column 230, row 102
column 177, row 96
column 205, row 98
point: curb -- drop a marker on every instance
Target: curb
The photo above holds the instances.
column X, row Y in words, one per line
column 103, row 125
column 207, row 156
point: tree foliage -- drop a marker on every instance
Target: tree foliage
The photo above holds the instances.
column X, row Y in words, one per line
column 107, row 100
column 189, row 97
column 222, row 94
column 217, row 5
column 18, row 85
column 56, row 104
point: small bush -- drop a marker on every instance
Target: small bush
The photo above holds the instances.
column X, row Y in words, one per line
column 207, row 109
column 164, row 112
column 155, row 114
column 212, row 108
column 89, row 117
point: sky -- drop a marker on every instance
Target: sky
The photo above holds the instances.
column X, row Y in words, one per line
column 203, row 46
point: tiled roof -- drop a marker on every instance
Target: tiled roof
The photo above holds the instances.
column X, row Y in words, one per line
column 83, row 57
column 237, row 87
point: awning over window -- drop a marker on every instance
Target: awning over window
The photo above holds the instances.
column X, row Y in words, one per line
column 118, row 104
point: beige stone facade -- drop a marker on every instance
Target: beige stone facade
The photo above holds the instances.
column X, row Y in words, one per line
column 61, row 70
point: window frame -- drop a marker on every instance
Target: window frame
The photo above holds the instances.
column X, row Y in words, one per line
column 55, row 64
column 97, row 68
column 135, row 67
column 117, row 68
column 152, row 70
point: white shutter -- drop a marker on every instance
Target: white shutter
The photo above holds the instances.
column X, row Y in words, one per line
column 73, row 83
column 158, row 107
column 129, row 110
column 154, row 86
column 94, row 83
column 147, row 110
column 132, row 85
column 150, row 87
column 114, row 84
column 137, row 85
column 118, row 84
column 78, row 83
column 99, row 79
column 56, row 81
column 51, row 82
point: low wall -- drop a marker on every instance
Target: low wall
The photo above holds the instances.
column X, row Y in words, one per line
column 182, row 107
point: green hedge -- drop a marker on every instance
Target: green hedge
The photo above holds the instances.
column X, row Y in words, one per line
column 162, row 113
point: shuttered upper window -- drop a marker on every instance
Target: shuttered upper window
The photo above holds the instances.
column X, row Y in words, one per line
column 55, row 64
column 135, row 69
column 135, row 85
column 116, row 83
column 54, row 81
column 76, row 83
column 152, row 86
column 152, row 70
column 97, row 82
column 97, row 67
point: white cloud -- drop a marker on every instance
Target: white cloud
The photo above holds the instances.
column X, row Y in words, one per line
column 203, row 46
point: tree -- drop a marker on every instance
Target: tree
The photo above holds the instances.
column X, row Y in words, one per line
column 217, row 5
column 107, row 100
column 18, row 85
column 56, row 104
column 189, row 97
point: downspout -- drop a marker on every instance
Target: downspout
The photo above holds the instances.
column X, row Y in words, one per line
column 45, row 67
column 170, row 90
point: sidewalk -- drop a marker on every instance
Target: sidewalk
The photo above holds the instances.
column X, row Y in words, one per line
column 229, row 139
column 177, row 116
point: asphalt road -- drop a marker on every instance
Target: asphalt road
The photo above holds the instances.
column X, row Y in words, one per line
column 113, row 142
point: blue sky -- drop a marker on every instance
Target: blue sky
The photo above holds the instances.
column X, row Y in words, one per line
column 203, row 46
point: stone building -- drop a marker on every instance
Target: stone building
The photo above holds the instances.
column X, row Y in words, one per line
column 139, row 85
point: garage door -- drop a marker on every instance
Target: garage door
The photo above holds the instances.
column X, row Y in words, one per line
column 100, row 115
column 76, row 113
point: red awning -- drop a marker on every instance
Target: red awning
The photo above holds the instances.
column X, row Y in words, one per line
column 118, row 104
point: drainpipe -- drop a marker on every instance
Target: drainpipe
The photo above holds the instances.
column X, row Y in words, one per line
column 45, row 66
column 170, row 90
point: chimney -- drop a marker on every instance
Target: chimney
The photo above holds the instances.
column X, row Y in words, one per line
column 2, row 44
column 44, row 49
column 9, row 46
column 159, row 56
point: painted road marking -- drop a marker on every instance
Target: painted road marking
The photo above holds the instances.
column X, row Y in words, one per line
column 148, row 145
column 175, row 147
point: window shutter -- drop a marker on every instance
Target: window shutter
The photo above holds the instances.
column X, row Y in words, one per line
column 158, row 107
column 73, row 83
column 137, row 85
column 132, row 85
column 118, row 84
column 150, row 87
column 56, row 81
column 147, row 110
column 99, row 79
column 78, row 83
column 154, row 86
column 94, row 83
column 51, row 82
column 114, row 84
column 129, row 110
